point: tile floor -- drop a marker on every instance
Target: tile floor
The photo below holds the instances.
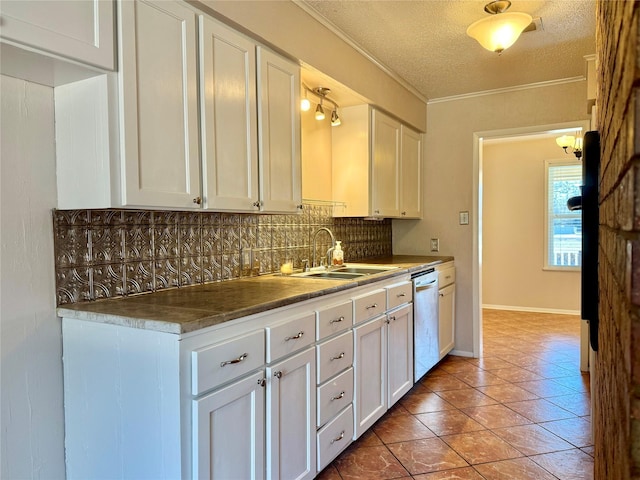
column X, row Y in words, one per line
column 521, row 411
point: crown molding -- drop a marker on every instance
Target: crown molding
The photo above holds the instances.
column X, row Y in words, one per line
column 527, row 86
column 352, row 43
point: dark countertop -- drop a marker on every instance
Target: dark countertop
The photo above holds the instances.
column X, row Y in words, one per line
column 187, row 309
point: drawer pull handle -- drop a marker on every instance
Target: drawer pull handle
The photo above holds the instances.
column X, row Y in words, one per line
column 338, row 357
column 400, row 295
column 448, row 277
column 375, row 305
column 336, row 320
column 338, row 397
column 338, row 438
column 277, row 374
column 235, row 360
column 294, row 337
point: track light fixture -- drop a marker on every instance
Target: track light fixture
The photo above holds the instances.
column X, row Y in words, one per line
column 319, row 111
column 321, row 93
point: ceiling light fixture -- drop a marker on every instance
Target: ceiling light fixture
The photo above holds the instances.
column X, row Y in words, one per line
column 335, row 119
column 501, row 30
column 319, row 111
column 567, row 142
column 305, row 104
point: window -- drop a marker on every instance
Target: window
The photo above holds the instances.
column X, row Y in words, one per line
column 563, row 228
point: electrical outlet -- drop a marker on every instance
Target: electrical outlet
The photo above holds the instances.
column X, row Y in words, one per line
column 435, row 245
column 464, row 218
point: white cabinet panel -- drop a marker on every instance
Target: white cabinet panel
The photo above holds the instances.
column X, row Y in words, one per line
column 334, row 319
column 400, row 348
column 290, row 336
column 291, row 425
column 446, row 317
column 334, row 437
column 385, row 200
column 370, row 372
column 228, row 118
column 334, row 395
column 78, row 30
column 158, row 105
column 228, row 431
column 334, row 355
column 279, row 133
column 410, row 173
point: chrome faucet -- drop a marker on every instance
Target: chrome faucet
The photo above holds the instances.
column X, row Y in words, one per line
column 333, row 245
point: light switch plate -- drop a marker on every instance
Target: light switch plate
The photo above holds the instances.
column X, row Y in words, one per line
column 464, row 218
column 435, row 245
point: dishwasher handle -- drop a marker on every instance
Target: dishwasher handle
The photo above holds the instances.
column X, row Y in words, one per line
column 426, row 286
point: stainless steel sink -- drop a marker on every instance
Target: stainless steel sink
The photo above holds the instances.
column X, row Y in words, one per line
column 347, row 272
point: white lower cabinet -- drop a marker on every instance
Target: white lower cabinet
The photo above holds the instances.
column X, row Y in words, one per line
column 291, row 408
column 370, row 373
column 228, row 431
column 446, row 308
column 276, row 395
column 400, row 353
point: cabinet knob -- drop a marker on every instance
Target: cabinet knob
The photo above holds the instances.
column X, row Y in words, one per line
column 262, row 382
column 404, row 213
column 277, row 374
column 300, row 207
column 393, row 319
column 197, row 201
column 257, row 204
column 377, row 212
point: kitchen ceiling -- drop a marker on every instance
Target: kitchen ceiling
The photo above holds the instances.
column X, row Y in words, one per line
column 425, row 42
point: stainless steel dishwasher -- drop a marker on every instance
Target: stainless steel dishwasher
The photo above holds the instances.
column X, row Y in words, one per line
column 425, row 322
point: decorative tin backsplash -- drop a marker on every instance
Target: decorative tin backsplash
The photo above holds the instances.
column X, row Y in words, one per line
column 109, row 253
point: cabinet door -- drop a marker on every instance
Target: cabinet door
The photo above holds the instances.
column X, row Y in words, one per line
column 229, row 118
column 158, row 105
column 370, row 371
column 410, row 174
column 279, row 133
column 291, row 425
column 400, row 348
column 228, row 431
column 385, row 201
column 446, row 318
column 81, row 31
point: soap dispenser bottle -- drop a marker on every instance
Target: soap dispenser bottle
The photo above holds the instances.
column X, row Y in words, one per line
column 338, row 254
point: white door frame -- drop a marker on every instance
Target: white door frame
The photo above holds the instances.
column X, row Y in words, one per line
column 476, row 273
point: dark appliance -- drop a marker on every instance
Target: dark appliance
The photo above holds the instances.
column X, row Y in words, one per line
column 588, row 203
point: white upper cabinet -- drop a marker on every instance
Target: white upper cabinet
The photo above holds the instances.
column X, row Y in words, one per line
column 228, row 118
column 181, row 127
column 158, row 105
column 410, row 173
column 385, row 165
column 279, row 133
column 77, row 30
column 376, row 166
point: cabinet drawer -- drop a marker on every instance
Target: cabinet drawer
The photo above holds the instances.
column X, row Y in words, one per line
column 334, row 395
column 399, row 294
column 335, row 437
column 290, row 336
column 334, row 356
column 334, row 319
column 446, row 277
column 370, row 305
column 217, row 364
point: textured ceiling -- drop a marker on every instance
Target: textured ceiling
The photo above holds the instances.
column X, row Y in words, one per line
column 425, row 43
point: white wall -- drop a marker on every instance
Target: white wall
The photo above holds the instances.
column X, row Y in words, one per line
column 513, row 186
column 449, row 180
column 30, row 333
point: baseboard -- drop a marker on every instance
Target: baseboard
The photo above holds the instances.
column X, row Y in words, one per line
column 531, row 309
column 461, row 353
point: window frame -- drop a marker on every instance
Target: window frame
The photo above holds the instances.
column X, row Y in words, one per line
column 548, row 164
